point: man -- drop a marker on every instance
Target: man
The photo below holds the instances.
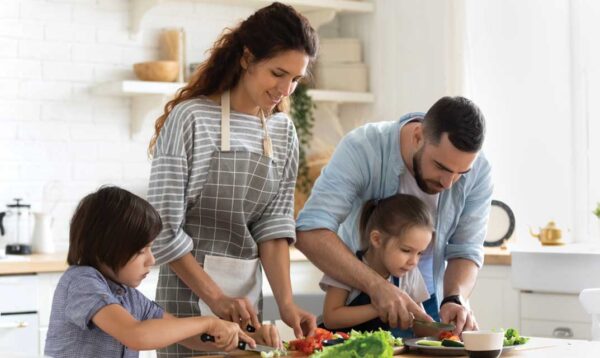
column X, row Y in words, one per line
column 435, row 156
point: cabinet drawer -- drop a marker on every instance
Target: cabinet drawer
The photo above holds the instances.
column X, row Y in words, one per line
column 19, row 334
column 556, row 329
column 553, row 307
column 18, row 293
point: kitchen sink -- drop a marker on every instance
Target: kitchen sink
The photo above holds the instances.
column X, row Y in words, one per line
column 560, row 269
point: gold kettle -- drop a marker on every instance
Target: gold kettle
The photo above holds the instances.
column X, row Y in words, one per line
column 549, row 235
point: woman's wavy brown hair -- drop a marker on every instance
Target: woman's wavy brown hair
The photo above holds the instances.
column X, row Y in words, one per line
column 266, row 33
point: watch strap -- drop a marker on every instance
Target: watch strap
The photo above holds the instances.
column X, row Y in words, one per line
column 452, row 298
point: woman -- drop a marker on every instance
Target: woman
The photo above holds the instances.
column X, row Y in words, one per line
column 224, row 172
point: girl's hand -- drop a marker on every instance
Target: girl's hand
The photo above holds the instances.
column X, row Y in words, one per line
column 303, row 323
column 227, row 334
column 268, row 335
column 236, row 309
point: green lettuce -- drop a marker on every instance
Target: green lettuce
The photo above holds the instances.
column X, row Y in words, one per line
column 362, row 344
column 512, row 337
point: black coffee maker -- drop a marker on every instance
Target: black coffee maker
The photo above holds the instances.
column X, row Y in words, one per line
column 17, row 222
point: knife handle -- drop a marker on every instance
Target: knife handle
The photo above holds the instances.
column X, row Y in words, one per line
column 208, row 338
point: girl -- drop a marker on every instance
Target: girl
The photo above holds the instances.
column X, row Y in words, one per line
column 96, row 310
column 225, row 159
column 394, row 233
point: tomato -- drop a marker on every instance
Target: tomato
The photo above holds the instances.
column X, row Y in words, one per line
column 322, row 334
column 343, row 335
column 309, row 345
column 306, row 345
column 445, row 335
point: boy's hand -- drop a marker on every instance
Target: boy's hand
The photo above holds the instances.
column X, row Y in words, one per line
column 227, row 334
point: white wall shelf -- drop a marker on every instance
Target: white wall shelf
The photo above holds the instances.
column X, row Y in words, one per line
column 318, row 12
column 147, row 95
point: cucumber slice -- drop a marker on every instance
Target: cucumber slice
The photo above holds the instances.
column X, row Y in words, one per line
column 452, row 343
column 425, row 342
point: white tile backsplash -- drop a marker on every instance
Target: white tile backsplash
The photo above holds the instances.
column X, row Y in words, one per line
column 52, row 52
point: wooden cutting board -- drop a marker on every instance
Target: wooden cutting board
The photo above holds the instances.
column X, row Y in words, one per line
column 397, row 351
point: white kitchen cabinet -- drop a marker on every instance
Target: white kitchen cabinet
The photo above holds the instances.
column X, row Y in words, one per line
column 554, row 315
column 19, row 314
column 494, row 301
column 46, row 286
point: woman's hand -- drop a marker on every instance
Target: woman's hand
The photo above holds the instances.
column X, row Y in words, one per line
column 302, row 322
column 235, row 309
column 227, row 334
column 268, row 335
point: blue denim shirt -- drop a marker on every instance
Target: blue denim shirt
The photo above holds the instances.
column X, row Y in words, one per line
column 367, row 165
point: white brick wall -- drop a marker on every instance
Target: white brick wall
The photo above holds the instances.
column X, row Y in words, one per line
column 51, row 127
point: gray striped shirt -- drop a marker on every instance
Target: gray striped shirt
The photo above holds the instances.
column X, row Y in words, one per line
column 190, row 135
column 81, row 292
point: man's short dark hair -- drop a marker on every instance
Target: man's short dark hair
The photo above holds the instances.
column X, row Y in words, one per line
column 460, row 118
column 109, row 227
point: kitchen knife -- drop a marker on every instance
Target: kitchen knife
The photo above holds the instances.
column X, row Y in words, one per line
column 436, row 325
column 241, row 345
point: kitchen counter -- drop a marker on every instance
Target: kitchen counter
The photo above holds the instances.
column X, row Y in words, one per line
column 493, row 256
column 57, row 262
column 536, row 347
column 497, row 256
column 37, row 263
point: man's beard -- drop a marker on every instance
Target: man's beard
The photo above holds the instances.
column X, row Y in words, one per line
column 419, row 176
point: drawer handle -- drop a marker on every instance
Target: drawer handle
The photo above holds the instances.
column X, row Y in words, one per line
column 10, row 325
column 562, row 332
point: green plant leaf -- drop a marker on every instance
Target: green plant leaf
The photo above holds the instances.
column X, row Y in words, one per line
column 301, row 112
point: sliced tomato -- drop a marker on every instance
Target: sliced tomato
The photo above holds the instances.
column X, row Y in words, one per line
column 322, row 334
column 309, row 345
column 445, row 335
column 343, row 335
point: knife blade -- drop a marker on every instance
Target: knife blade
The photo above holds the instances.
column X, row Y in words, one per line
column 241, row 345
column 437, row 325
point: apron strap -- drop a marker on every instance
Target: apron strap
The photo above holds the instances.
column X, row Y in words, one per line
column 225, row 147
column 267, row 144
column 225, row 128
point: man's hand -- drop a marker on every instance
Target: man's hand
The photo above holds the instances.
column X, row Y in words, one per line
column 395, row 306
column 235, row 309
column 303, row 323
column 461, row 316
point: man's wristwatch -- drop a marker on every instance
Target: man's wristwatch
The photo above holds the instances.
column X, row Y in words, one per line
column 454, row 299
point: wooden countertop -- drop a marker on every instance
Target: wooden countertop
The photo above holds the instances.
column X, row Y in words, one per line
column 57, row 262
column 497, row 256
column 38, row 263
column 493, row 256
column 535, row 348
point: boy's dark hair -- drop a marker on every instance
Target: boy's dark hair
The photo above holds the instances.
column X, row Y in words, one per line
column 392, row 216
column 460, row 118
column 109, row 227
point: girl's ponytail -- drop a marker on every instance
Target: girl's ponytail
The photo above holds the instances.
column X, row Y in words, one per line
column 366, row 213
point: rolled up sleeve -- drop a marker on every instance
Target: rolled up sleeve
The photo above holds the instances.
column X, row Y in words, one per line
column 277, row 220
column 467, row 240
column 167, row 188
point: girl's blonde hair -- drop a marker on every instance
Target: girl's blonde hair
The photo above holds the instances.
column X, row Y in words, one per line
column 392, row 216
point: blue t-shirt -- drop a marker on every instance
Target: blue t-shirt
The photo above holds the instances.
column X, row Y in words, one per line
column 81, row 292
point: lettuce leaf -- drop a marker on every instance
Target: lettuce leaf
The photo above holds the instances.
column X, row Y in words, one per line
column 361, row 344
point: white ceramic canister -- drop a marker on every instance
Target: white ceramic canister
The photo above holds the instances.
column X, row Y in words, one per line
column 42, row 241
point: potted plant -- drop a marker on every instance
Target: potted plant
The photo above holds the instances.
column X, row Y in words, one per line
column 301, row 111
